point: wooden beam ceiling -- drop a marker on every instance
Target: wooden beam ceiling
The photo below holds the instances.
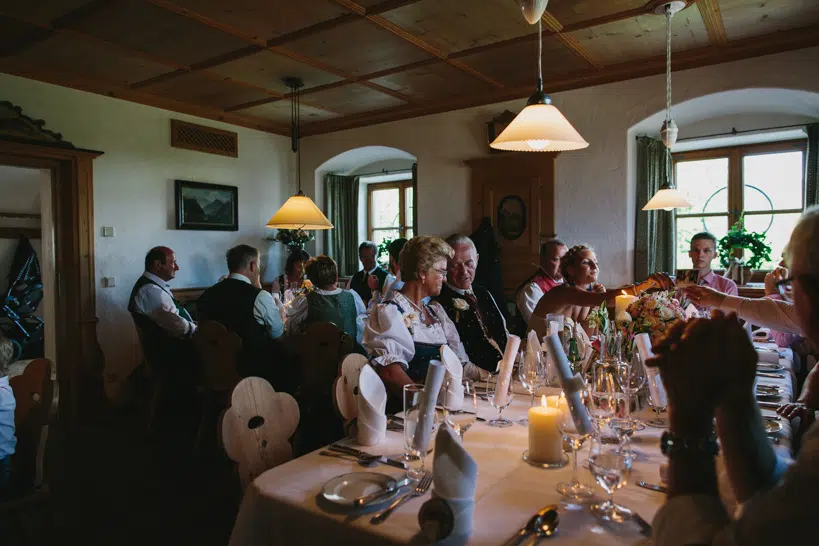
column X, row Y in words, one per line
column 712, row 17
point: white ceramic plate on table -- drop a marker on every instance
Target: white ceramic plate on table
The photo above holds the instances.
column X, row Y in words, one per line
column 345, row 489
column 772, row 426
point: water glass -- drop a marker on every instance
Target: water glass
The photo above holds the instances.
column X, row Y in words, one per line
column 414, row 454
column 603, row 391
column 611, row 471
column 532, row 375
column 573, row 490
column 657, row 398
column 500, row 396
column 462, row 417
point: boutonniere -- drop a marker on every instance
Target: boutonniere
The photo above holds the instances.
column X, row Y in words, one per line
column 460, row 305
column 409, row 319
column 307, row 286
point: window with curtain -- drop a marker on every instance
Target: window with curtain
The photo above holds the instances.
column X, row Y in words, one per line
column 390, row 210
column 763, row 182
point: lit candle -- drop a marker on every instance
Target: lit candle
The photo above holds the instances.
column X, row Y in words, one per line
column 558, row 402
column 545, row 440
column 622, row 302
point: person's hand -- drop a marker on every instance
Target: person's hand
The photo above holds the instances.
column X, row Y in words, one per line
column 599, row 288
column 372, row 282
column 793, row 409
column 661, row 281
column 772, row 278
column 704, row 296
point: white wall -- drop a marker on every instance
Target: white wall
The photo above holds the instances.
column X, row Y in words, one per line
column 595, row 198
column 134, row 193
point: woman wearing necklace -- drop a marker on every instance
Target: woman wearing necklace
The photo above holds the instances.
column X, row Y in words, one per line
column 293, row 274
column 581, row 291
column 407, row 331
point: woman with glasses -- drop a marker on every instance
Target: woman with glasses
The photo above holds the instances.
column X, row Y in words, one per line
column 408, row 330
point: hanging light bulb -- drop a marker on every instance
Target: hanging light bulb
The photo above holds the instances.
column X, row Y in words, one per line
column 533, row 9
column 298, row 212
column 668, row 197
column 540, row 127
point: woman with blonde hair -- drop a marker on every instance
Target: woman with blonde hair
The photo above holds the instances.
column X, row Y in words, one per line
column 581, row 292
column 407, row 331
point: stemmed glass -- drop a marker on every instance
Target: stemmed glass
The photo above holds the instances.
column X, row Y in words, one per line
column 602, row 394
column 500, row 398
column 573, row 490
column 414, row 454
column 631, row 377
column 462, row 418
column 532, row 374
column 611, row 470
column 657, row 398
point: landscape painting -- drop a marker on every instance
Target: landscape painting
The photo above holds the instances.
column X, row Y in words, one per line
column 206, row 206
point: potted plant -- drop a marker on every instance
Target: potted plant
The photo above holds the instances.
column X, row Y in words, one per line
column 738, row 238
column 293, row 237
column 383, row 253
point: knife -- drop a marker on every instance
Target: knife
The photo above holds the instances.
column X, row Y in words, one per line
column 378, row 458
column 770, row 375
column 653, row 487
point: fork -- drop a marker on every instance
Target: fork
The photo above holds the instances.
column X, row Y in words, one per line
column 420, row 489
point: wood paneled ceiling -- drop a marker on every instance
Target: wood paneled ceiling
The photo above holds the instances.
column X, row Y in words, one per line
column 370, row 61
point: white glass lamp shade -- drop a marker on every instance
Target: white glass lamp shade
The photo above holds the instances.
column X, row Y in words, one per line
column 539, row 128
column 667, row 199
column 299, row 212
column 533, row 9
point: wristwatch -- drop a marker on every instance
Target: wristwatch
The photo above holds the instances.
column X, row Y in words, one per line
column 671, row 444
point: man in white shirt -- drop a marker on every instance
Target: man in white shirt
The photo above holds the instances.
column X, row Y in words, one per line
column 546, row 278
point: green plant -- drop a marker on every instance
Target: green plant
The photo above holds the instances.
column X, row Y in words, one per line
column 738, row 238
column 383, row 252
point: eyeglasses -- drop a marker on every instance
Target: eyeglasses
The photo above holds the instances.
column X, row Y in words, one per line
column 785, row 287
column 441, row 272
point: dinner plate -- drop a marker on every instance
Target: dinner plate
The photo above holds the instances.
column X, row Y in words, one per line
column 768, row 389
column 772, row 426
column 345, row 489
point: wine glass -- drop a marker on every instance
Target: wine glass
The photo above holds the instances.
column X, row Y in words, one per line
column 462, row 416
column 611, row 471
column 573, row 490
column 657, row 398
column 602, row 389
column 532, row 374
column 500, row 398
column 413, row 453
column 631, row 376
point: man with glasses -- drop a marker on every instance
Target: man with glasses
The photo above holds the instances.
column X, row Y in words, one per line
column 472, row 308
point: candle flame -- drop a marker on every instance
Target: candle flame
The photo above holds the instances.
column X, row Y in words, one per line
column 543, row 400
column 624, row 292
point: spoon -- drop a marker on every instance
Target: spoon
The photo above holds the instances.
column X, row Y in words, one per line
column 543, row 524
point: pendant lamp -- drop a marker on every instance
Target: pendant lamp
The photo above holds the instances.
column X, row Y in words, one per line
column 540, row 127
column 668, row 197
column 298, row 212
column 532, row 9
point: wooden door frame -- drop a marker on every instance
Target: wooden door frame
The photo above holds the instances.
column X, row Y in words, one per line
column 80, row 361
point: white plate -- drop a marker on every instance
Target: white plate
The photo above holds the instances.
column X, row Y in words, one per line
column 772, row 426
column 345, row 489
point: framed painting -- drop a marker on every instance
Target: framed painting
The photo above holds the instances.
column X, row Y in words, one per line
column 206, row 206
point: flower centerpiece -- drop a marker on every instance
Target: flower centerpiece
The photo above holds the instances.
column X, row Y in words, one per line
column 293, row 237
column 653, row 314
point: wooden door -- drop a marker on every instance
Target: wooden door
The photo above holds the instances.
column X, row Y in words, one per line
column 516, row 192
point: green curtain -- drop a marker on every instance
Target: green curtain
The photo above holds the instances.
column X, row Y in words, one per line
column 654, row 236
column 812, row 165
column 341, row 243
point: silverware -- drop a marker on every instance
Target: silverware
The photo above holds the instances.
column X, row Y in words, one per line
column 653, row 487
column 645, row 527
column 367, row 456
column 771, row 375
column 349, row 457
column 543, row 524
column 366, row 499
column 420, row 489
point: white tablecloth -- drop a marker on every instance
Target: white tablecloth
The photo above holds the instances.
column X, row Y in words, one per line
column 283, row 506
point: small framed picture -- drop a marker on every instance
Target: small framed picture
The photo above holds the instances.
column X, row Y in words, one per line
column 686, row 277
column 206, row 206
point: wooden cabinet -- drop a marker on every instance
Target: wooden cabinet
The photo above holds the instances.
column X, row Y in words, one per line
column 516, row 192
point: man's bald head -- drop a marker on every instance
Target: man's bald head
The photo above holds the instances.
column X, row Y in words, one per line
column 161, row 261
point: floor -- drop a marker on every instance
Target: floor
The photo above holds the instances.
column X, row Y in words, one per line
column 114, row 483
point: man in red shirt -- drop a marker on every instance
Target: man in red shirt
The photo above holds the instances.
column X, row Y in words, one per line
column 546, row 278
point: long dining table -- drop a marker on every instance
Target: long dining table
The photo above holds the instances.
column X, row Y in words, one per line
column 284, row 505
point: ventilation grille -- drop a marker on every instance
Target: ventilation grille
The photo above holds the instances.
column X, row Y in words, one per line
column 204, row 139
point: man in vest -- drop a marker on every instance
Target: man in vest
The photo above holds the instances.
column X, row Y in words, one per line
column 239, row 303
column 546, row 278
column 326, row 302
column 472, row 308
column 360, row 281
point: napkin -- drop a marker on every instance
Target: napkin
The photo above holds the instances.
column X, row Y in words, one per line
column 426, row 411
column 766, row 355
column 572, row 385
column 452, row 395
column 505, row 374
column 454, row 478
column 532, row 349
column 655, row 382
column 372, row 401
column 762, row 334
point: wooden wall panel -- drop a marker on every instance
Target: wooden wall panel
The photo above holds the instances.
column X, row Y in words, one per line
column 353, row 99
column 575, row 11
column 199, row 88
column 267, row 69
column 433, row 81
column 743, row 19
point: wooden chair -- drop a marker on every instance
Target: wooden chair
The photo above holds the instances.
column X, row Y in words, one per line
column 320, row 350
column 155, row 374
column 36, row 395
column 257, row 426
column 217, row 350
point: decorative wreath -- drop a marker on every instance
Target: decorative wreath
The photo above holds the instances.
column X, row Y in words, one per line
column 739, row 238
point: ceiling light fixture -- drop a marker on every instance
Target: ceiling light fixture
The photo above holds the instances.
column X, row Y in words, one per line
column 668, row 197
column 298, row 212
column 540, row 127
column 533, row 9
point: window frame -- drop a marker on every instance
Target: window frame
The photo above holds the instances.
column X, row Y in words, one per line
column 736, row 194
column 401, row 186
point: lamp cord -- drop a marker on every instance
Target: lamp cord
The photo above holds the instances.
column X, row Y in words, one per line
column 668, row 16
column 539, row 50
column 295, row 122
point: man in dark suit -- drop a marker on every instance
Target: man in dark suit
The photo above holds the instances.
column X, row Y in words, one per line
column 360, row 282
column 472, row 308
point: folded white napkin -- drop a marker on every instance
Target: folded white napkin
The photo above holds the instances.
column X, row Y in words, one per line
column 346, row 387
column 505, row 373
column 762, row 334
column 454, row 478
column 452, row 393
column 572, row 385
column 372, row 401
column 766, row 355
column 426, row 410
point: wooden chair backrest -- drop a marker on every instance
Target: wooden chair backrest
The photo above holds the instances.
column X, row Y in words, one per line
column 218, row 350
column 35, row 394
column 256, row 427
column 321, row 348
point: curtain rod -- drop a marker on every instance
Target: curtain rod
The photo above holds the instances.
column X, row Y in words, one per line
column 385, row 171
column 734, row 132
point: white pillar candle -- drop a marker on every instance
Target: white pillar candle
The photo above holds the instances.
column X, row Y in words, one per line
column 545, row 440
column 622, row 302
